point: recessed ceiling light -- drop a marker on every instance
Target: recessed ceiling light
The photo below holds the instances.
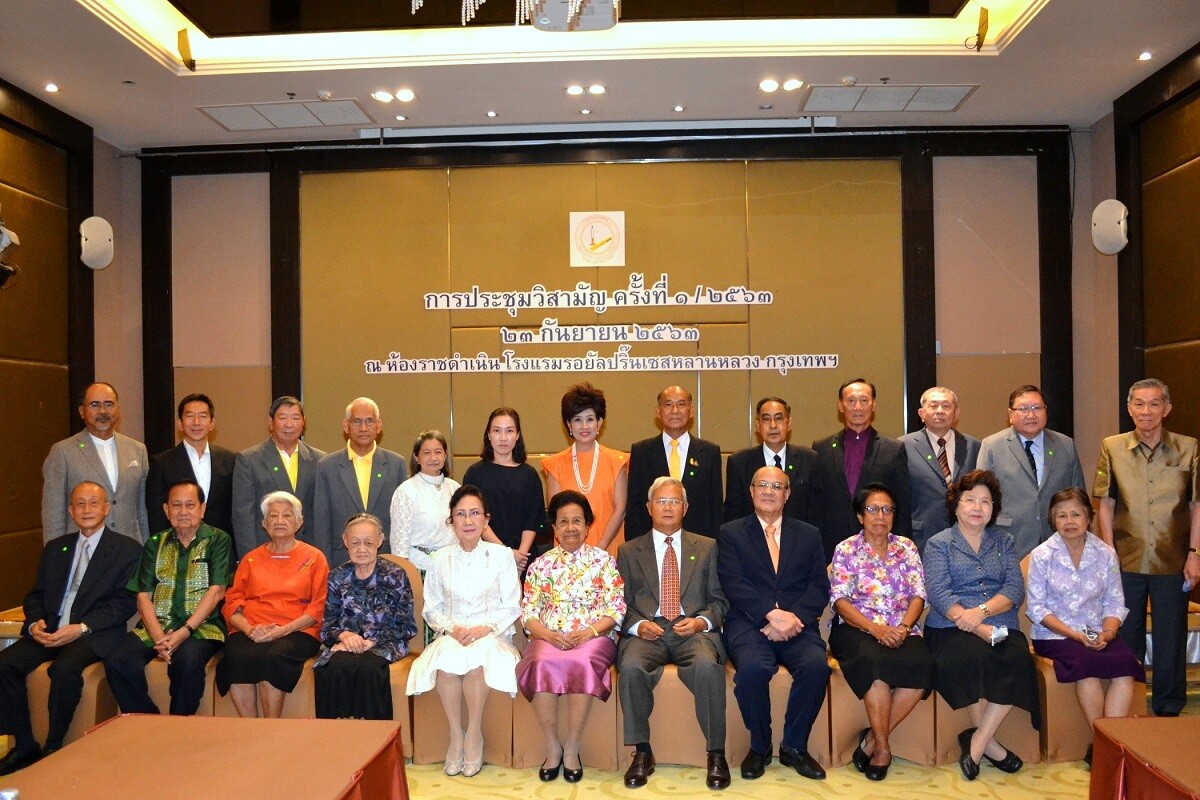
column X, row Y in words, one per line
column 597, row 88
column 400, row 118
column 585, row 111
column 792, row 84
column 1145, row 56
column 491, row 113
column 679, row 108
column 769, row 85
column 765, row 107
column 405, row 95
column 51, row 87
column 382, row 96
column 574, row 89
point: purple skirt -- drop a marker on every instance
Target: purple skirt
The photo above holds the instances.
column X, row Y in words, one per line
column 1074, row 662
column 580, row 670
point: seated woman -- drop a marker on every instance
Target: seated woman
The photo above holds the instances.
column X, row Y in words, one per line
column 878, row 591
column 274, row 611
column 573, row 606
column 368, row 622
column 1077, row 606
column 472, row 600
column 973, row 581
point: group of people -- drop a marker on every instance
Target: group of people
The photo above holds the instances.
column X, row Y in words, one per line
column 881, row 529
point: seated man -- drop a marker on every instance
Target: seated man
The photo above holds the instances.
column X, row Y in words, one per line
column 772, row 569
column 75, row 614
column 180, row 583
column 675, row 609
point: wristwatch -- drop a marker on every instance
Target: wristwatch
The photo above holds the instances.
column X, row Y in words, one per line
column 85, row 630
column 983, row 607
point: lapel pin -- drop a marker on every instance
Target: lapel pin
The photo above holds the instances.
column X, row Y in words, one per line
column 929, row 458
column 691, row 473
column 378, row 474
column 691, row 558
column 834, row 444
column 1051, row 452
column 276, row 469
column 791, row 467
column 82, row 446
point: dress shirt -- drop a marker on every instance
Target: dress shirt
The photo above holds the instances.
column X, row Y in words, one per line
column 291, row 464
column 954, row 573
column 1079, row 598
column 684, row 439
column 201, row 466
column 949, row 437
column 769, row 456
column 854, row 453
column 660, row 550
column 362, row 470
column 1039, row 453
column 107, row 450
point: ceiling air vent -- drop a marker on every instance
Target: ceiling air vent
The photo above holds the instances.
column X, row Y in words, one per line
column 288, row 114
column 840, row 98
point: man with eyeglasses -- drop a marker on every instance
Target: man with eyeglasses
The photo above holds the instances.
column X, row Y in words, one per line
column 772, row 569
column 773, row 424
column 1150, row 513
column 937, row 454
column 98, row 454
column 361, row 478
column 1032, row 463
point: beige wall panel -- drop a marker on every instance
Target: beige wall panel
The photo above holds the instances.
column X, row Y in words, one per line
column 32, row 166
column 19, row 555
column 221, row 270
column 982, row 383
column 241, row 395
column 1175, row 365
column 1171, row 255
column 986, row 254
column 31, row 401
column 37, row 297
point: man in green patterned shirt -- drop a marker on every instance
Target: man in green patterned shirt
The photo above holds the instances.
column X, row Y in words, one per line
column 179, row 583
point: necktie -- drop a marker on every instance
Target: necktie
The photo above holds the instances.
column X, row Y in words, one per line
column 778, row 462
column 1032, row 460
column 673, row 462
column 943, row 462
column 773, row 546
column 669, row 587
column 64, row 616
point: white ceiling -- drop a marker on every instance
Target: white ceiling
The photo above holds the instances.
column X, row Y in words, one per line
column 1065, row 67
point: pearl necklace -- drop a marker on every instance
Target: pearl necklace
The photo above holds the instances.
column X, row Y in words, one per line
column 586, row 489
column 437, row 485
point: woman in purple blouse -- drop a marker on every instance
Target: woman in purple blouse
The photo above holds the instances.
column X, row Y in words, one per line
column 1077, row 606
column 877, row 589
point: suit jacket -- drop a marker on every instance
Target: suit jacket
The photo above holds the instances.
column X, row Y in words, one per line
column 1024, row 505
column 701, row 479
column 103, row 601
column 173, row 465
column 258, row 471
column 833, row 500
column 74, row 460
column 700, row 592
column 927, row 485
column 754, row 587
column 338, row 499
column 739, row 471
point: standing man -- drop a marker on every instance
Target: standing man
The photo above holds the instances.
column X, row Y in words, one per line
column 675, row 608
column 937, row 454
column 1150, row 513
column 1032, row 463
column 282, row 463
column 772, row 570
column 773, row 423
column 675, row 453
column 193, row 459
column 853, row 457
column 101, row 455
column 361, row 478
column 74, row 616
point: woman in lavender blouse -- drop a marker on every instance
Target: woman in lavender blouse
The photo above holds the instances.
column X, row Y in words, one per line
column 1077, row 606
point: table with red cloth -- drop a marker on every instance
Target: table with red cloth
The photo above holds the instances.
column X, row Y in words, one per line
column 151, row 756
column 1146, row 758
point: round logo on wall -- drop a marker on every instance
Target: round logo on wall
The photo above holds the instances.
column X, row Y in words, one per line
column 597, row 237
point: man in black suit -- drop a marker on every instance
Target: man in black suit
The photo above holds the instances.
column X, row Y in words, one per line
column 772, row 571
column 686, row 458
column 193, row 459
column 773, row 421
column 853, row 457
column 74, row 616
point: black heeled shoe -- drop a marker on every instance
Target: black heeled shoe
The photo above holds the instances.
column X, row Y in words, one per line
column 550, row 774
column 1010, row 763
column 968, row 765
column 876, row 772
column 860, row 758
column 573, row 775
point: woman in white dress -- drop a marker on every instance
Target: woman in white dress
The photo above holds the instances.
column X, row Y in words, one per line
column 471, row 600
column 421, row 505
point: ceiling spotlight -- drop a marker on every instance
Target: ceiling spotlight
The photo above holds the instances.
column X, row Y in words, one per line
column 792, row 84
column 491, row 113
column 400, row 118
column 405, row 95
column 52, row 87
column 678, row 108
column 769, row 85
column 765, row 107
column 1145, row 56
column 585, row 111
column 596, row 88
column 382, row 96
column 574, row 89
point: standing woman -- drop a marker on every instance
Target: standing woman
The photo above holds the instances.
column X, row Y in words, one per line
column 598, row 472
column 974, row 584
column 421, row 505
column 512, row 487
column 472, row 600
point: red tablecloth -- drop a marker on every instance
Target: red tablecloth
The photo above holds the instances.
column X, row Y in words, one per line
column 1148, row 758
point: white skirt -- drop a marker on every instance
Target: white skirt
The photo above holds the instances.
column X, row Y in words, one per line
column 495, row 654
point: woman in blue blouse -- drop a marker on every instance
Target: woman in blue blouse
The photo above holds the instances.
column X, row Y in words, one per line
column 973, row 581
column 368, row 622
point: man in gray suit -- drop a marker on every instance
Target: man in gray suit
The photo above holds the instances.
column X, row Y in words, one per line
column 361, row 478
column 101, row 455
column 281, row 463
column 1032, row 464
column 674, row 611
column 937, row 455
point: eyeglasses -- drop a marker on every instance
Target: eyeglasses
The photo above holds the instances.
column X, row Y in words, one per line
column 362, row 423
column 1033, row 409
column 664, row 502
column 464, row 513
column 972, row 501
column 96, row 405
column 776, row 486
column 887, row 511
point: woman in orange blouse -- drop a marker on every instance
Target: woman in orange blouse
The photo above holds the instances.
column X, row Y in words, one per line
column 274, row 611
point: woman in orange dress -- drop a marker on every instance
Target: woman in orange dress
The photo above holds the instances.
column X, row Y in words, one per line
column 587, row 466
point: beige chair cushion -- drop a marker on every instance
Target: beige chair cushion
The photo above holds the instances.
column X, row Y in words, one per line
column 597, row 748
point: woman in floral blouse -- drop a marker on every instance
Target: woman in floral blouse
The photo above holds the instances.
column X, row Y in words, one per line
column 368, row 622
column 878, row 592
column 573, row 606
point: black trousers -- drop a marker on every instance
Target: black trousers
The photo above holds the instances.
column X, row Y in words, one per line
column 1169, row 605
column 66, row 686
column 126, row 669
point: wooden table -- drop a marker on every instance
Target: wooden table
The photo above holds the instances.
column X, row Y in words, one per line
column 1147, row 758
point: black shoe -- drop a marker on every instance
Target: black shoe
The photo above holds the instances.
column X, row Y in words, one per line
column 573, row 775
column 16, row 760
column 877, row 772
column 639, row 770
column 801, row 761
column 860, row 757
column 1010, row 763
column 1087, row 757
column 968, row 765
column 718, row 772
column 549, row 774
column 754, row 765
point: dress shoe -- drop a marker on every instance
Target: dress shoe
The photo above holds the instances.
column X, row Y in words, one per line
column 754, row 765
column 718, row 772
column 860, row 757
column 550, row 774
column 471, row 768
column 801, row 761
column 17, row 760
column 639, row 770
column 573, row 775
column 968, row 765
column 877, row 772
column 1010, row 763
column 1087, row 757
